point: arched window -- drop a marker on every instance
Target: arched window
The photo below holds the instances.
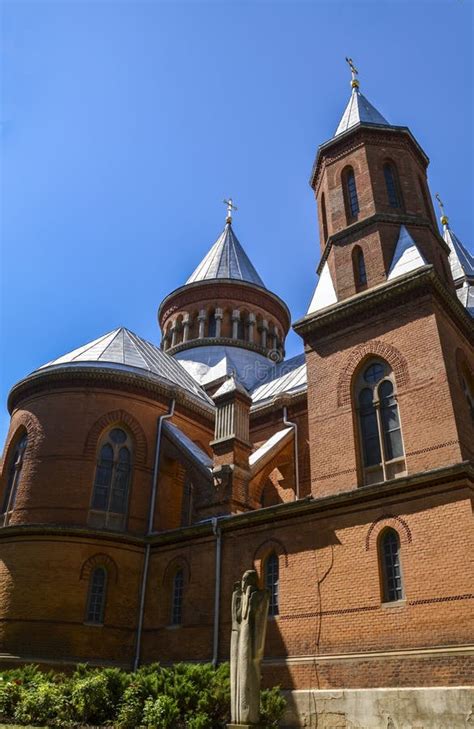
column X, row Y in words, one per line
column 112, row 481
column 212, row 325
column 360, row 273
column 241, row 328
column 391, row 182
column 389, row 546
column 96, row 597
column 468, row 392
column 350, row 194
column 177, row 598
column 380, row 432
column 13, row 477
column 324, row 217
column 271, row 582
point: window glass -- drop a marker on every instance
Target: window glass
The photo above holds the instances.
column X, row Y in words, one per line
column 374, row 373
column 390, row 421
column 391, row 566
column 177, row 604
column 103, row 477
column 112, row 479
column 13, row 479
column 352, row 194
column 96, row 603
column 271, row 582
column 369, row 428
column 391, row 184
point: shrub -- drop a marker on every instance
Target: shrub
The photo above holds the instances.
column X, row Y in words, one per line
column 199, row 721
column 43, row 703
column 10, row 694
column 133, row 702
column 91, row 700
column 161, row 713
column 272, row 707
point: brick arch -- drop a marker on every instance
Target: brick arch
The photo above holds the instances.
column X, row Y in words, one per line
column 172, row 567
column 388, row 520
column 270, row 545
column 116, row 417
column 24, row 422
column 99, row 560
column 375, row 348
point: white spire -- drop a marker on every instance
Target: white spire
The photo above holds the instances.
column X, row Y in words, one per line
column 359, row 110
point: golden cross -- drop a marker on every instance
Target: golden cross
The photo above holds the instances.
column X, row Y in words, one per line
column 444, row 217
column 354, row 71
column 230, row 207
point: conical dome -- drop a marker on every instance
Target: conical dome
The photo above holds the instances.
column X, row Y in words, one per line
column 359, row 111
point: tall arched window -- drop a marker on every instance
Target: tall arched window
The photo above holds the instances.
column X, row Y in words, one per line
column 271, row 582
column 389, row 548
column 468, row 391
column 350, row 194
column 112, row 480
column 360, row 273
column 13, row 477
column 324, row 217
column 380, row 433
column 96, row 597
column 177, row 598
column 212, row 325
column 391, row 183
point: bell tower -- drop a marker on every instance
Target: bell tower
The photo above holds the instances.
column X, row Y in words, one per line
column 384, row 326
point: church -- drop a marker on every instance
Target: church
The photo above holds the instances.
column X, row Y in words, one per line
column 140, row 480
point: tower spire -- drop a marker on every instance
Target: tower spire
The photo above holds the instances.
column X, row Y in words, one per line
column 444, row 218
column 354, row 73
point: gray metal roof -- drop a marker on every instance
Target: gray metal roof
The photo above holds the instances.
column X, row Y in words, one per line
column 226, row 259
column 359, row 111
column 193, row 450
column 466, row 296
column 287, row 377
column 124, row 350
column 461, row 261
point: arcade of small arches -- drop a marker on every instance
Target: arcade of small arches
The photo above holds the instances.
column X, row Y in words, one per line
column 223, row 323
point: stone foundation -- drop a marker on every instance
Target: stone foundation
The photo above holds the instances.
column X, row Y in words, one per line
column 381, row 708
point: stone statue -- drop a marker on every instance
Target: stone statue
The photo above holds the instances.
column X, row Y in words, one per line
column 249, row 622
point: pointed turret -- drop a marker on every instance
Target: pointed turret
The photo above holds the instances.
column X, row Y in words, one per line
column 358, row 110
column 461, row 262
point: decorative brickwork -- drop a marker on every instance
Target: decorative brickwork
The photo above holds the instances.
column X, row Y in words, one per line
column 117, row 418
column 374, row 348
column 99, row 560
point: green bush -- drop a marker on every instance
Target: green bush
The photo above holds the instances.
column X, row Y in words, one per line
column 199, row 721
column 90, row 698
column 10, row 694
column 161, row 713
column 272, row 707
column 43, row 703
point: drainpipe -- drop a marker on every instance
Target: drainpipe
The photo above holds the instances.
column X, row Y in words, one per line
column 297, row 470
column 151, row 513
column 217, row 594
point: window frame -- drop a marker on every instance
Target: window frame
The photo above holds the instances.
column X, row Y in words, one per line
column 177, row 598
column 388, row 467
column 88, row 620
column 383, row 573
column 351, row 196
column 358, row 258
column 107, row 517
column 14, row 468
column 392, row 185
column 273, row 587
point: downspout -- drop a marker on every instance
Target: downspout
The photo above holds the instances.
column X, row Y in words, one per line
column 151, row 514
column 297, row 470
column 217, row 594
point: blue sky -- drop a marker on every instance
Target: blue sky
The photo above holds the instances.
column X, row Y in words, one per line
column 124, row 125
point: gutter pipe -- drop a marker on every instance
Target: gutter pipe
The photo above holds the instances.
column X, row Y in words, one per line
column 297, row 469
column 217, row 595
column 151, row 514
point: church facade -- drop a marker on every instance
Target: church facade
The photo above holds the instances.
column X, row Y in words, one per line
column 139, row 481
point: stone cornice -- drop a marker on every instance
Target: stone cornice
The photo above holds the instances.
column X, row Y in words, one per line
column 104, row 377
column 220, row 342
column 359, row 306
column 398, row 219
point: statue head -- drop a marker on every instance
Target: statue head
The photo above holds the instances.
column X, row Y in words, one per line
column 249, row 579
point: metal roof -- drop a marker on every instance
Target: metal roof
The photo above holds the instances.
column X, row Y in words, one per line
column 407, row 256
column 226, row 259
column 461, row 261
column 359, row 111
column 193, row 450
column 466, row 296
column 287, row 377
column 125, row 350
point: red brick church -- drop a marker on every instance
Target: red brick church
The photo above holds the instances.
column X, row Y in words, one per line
column 140, row 481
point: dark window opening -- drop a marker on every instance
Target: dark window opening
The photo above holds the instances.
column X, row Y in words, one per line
column 324, row 217
column 391, row 568
column 14, row 472
column 96, row 601
column 271, row 582
column 177, row 600
column 391, row 183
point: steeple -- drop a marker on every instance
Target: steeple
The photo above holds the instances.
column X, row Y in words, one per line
column 358, row 110
column 460, row 260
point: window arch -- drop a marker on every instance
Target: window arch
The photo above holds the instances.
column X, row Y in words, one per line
column 389, row 556
column 177, row 598
column 112, row 480
column 380, row 434
column 212, row 324
column 96, row 596
column 358, row 263
column 272, row 579
column 392, row 185
column 13, row 477
column 350, row 194
column 324, row 217
column 468, row 389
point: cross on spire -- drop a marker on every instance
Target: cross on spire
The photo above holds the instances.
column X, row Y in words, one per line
column 354, row 72
column 230, row 207
column 444, row 217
